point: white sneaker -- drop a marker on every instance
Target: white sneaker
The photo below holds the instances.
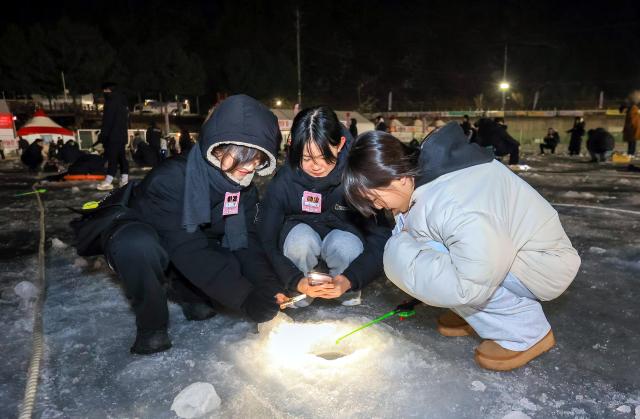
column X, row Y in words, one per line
column 124, row 179
column 351, row 298
column 105, row 186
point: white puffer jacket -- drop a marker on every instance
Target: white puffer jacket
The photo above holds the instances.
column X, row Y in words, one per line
column 492, row 222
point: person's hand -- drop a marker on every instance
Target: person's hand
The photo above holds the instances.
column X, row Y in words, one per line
column 314, row 290
column 281, row 298
column 340, row 285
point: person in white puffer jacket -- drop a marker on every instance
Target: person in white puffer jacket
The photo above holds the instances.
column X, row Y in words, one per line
column 470, row 236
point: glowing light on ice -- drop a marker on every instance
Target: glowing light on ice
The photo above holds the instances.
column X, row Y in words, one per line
column 309, row 349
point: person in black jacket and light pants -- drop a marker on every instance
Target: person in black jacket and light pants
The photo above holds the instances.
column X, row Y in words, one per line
column 304, row 217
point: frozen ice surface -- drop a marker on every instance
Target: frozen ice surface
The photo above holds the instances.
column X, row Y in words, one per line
column 56, row 243
column 80, row 262
column 391, row 370
column 478, row 386
column 624, row 409
column 196, row 400
column 597, row 250
column 516, row 414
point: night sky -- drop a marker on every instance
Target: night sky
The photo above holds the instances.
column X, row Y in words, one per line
column 430, row 54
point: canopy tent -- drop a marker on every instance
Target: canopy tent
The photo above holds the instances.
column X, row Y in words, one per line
column 7, row 128
column 41, row 126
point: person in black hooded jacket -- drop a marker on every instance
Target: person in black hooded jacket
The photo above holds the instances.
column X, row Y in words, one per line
column 191, row 223
column 600, row 144
column 577, row 132
column 493, row 133
column 304, row 216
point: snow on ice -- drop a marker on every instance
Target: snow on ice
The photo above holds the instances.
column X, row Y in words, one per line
column 196, row 400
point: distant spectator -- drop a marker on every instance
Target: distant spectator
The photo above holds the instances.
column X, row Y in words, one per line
column 32, row 157
column 53, row 151
column 466, row 126
column 492, row 133
column 2, row 150
column 551, row 141
column 418, row 125
column 137, row 139
column 145, row 156
column 185, row 141
column 69, row 152
column 164, row 147
column 380, row 124
column 153, row 137
column 22, row 145
column 577, row 132
column 631, row 131
column 600, row 144
column 353, row 127
column 394, row 124
column 114, row 137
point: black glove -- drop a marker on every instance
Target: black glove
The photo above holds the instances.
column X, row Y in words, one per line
column 260, row 307
column 408, row 305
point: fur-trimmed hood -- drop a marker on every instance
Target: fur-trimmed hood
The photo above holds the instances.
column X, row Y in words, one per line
column 242, row 120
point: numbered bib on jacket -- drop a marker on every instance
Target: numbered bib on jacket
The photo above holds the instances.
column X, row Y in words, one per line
column 311, row 202
column 231, row 203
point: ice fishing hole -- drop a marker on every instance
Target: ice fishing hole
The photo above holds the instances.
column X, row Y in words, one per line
column 330, row 356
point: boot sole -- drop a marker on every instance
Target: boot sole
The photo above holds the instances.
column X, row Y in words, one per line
column 459, row 331
column 523, row 358
column 151, row 351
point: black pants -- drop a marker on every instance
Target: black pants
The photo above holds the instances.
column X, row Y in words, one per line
column 574, row 146
column 512, row 149
column 631, row 148
column 548, row 147
column 116, row 155
column 134, row 251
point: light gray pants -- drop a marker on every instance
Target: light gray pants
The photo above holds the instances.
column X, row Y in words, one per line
column 512, row 317
column 304, row 247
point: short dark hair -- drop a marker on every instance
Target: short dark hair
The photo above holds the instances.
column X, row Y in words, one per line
column 375, row 160
column 240, row 154
column 318, row 125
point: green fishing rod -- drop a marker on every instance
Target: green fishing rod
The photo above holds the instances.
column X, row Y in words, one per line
column 32, row 192
column 403, row 311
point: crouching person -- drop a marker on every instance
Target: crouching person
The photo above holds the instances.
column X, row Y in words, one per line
column 489, row 251
column 187, row 229
column 305, row 223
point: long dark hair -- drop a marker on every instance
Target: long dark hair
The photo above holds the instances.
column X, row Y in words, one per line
column 318, row 125
column 375, row 160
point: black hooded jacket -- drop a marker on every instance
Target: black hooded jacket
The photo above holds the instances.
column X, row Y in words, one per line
column 490, row 133
column 448, row 150
column 159, row 201
column 115, row 120
column 281, row 210
column 599, row 140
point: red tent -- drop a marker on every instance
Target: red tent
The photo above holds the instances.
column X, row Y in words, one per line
column 41, row 126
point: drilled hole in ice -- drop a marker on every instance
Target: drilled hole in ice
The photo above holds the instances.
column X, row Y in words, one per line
column 330, row 356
